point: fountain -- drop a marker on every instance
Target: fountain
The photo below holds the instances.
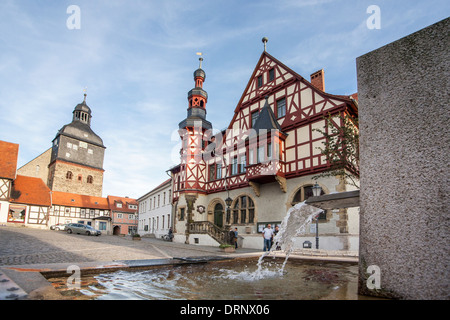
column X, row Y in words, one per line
column 239, row 278
column 293, row 225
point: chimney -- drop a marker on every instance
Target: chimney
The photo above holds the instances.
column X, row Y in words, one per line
column 318, row 79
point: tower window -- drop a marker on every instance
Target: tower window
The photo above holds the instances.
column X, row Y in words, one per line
column 254, row 117
column 69, row 175
column 234, row 166
column 80, row 177
column 90, row 179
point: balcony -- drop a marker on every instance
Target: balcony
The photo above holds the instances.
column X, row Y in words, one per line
column 265, row 172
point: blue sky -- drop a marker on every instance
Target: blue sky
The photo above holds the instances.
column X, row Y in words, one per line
column 137, row 57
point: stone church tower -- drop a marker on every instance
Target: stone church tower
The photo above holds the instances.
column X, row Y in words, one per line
column 76, row 161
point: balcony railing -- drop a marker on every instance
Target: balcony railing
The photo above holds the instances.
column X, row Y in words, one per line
column 265, row 171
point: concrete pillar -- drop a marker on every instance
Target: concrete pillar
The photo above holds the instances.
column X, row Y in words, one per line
column 404, row 125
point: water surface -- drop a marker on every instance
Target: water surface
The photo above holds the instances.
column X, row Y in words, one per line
column 224, row 280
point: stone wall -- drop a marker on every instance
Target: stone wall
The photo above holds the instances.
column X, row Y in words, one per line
column 404, row 125
column 38, row 167
column 78, row 184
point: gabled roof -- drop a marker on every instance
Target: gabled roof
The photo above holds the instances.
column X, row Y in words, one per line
column 288, row 73
column 113, row 201
column 79, row 200
column 266, row 119
column 29, row 190
column 8, row 159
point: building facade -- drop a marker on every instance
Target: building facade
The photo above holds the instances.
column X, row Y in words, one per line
column 124, row 214
column 263, row 163
column 75, row 208
column 155, row 211
column 8, row 164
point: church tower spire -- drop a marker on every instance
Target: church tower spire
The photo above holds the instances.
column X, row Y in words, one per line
column 82, row 112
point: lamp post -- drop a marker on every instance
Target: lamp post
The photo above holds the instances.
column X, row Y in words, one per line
column 317, row 190
column 228, row 202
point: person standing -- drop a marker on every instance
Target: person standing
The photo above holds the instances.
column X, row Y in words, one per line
column 231, row 236
column 235, row 238
column 275, row 232
column 267, row 235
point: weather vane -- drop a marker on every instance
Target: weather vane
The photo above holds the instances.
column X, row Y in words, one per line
column 200, row 59
column 85, row 93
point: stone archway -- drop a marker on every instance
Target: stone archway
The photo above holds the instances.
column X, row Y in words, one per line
column 212, row 215
column 116, row 230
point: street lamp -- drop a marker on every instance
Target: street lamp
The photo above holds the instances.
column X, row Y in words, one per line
column 317, row 190
column 228, row 202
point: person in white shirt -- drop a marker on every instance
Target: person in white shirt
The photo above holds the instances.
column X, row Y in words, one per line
column 267, row 235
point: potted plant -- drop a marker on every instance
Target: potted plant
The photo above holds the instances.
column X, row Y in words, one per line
column 136, row 236
column 227, row 247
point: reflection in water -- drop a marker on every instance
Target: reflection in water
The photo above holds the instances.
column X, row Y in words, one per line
column 231, row 279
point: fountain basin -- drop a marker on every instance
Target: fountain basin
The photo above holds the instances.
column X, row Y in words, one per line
column 229, row 279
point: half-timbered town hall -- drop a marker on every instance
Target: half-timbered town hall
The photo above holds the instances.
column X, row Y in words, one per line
column 250, row 174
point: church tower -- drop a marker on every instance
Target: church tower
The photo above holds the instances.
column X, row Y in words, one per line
column 76, row 164
column 192, row 132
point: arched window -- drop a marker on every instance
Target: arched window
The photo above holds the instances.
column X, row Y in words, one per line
column 304, row 193
column 218, row 215
column 243, row 210
column 90, row 179
column 69, row 175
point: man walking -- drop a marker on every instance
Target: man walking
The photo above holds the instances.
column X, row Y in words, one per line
column 267, row 235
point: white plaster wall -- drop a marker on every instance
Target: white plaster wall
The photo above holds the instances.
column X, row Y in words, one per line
column 147, row 213
column 4, row 205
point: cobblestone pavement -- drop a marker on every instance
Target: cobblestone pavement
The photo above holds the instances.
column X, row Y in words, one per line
column 24, row 245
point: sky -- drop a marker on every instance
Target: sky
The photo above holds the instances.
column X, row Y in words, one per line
column 136, row 58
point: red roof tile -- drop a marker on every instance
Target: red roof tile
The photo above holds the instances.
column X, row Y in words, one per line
column 79, row 200
column 113, row 201
column 29, row 190
column 8, row 159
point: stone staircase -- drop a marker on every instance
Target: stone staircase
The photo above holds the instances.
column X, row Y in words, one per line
column 206, row 227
